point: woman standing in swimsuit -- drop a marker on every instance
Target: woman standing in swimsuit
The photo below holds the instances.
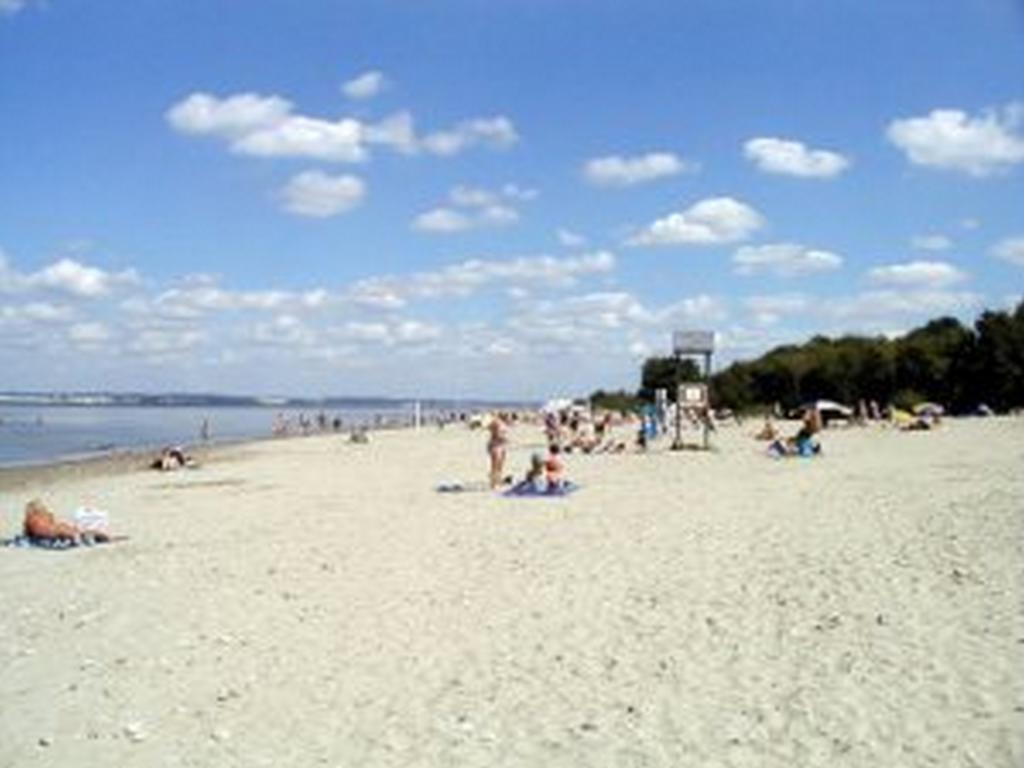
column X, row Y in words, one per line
column 497, row 447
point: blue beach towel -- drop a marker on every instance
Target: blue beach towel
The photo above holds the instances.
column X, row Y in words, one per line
column 530, row 491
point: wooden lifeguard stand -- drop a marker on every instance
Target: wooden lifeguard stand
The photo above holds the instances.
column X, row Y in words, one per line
column 700, row 344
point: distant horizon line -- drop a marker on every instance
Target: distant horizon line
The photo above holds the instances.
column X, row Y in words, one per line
column 186, row 398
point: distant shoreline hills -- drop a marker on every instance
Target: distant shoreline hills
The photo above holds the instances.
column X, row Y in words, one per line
column 206, row 400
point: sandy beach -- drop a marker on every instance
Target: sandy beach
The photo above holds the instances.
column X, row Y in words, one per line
column 314, row 602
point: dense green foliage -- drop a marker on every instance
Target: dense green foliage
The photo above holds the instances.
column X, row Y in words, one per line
column 665, row 373
column 620, row 401
column 943, row 361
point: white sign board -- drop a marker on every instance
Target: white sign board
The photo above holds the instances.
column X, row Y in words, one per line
column 693, row 342
column 693, row 395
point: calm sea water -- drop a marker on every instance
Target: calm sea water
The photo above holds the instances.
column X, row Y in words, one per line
column 33, row 434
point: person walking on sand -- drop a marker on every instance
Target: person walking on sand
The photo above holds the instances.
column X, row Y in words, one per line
column 497, row 447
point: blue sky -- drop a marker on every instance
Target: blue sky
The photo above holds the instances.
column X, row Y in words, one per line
column 507, row 199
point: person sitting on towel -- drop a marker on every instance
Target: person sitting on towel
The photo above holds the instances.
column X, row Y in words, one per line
column 803, row 443
column 554, row 468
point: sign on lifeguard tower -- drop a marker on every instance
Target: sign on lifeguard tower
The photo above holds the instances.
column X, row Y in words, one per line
column 693, row 395
column 693, row 342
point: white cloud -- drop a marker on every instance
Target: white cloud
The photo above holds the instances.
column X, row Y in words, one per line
column 712, row 221
column 618, row 171
column 1011, row 249
column 793, row 158
column 570, row 239
column 784, row 260
column 267, row 126
column 467, row 277
column 885, row 304
column 496, row 132
column 499, row 215
column 164, row 343
column 73, row 277
column 36, row 312
column 478, row 208
column 396, row 131
column 363, row 332
column 298, row 136
column 442, row 220
column 413, row 331
column 316, row 194
column 918, row 273
column 950, row 139
column 472, row 197
column 281, row 331
column 200, row 295
column 365, row 86
column 931, row 243
column 233, row 117
column 516, row 192
column 88, row 333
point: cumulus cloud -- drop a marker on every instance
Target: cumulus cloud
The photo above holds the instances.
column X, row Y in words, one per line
column 917, row 273
column 618, row 171
column 931, row 243
column 950, row 139
column 474, row 208
column 876, row 309
column 89, row 334
column 201, row 295
column 268, row 126
column 784, row 260
column 66, row 276
column 161, row 343
column 496, row 132
column 467, row 277
column 365, row 86
column 317, row 194
column 889, row 304
column 1011, row 249
column 442, row 220
column 712, row 221
column 36, row 312
column 793, row 158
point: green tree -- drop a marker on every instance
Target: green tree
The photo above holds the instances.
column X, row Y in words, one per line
column 665, row 373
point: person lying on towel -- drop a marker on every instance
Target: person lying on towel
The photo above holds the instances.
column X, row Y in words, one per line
column 41, row 525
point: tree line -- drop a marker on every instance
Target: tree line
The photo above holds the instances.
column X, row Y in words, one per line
column 943, row 361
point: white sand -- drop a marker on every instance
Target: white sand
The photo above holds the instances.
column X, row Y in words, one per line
column 312, row 602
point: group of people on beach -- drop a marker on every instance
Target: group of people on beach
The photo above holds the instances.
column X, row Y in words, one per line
column 546, row 474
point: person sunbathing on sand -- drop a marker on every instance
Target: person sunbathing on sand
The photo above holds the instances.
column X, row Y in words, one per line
column 41, row 525
column 172, row 458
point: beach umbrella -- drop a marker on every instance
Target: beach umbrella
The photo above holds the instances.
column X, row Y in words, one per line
column 826, row 407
